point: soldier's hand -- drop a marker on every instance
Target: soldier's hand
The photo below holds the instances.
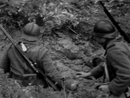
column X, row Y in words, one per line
column 104, row 88
column 83, row 75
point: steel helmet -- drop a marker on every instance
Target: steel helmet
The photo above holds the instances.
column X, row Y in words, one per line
column 31, row 31
column 105, row 29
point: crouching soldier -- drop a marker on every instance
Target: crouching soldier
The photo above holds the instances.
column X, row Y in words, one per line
column 29, row 42
column 117, row 60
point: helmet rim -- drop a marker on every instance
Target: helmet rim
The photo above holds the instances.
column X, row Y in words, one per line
column 105, row 29
column 110, row 35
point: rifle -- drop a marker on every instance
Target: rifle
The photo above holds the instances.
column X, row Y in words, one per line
column 106, row 77
column 122, row 33
column 30, row 63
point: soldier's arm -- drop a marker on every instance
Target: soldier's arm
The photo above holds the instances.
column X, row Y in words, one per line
column 121, row 63
column 97, row 71
column 48, row 65
column 51, row 70
column 5, row 62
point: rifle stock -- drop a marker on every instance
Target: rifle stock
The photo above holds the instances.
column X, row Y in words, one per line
column 122, row 33
column 30, row 63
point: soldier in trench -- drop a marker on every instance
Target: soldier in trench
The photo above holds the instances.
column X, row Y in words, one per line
column 13, row 63
column 117, row 60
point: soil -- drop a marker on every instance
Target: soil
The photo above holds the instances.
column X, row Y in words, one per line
column 70, row 57
column 72, row 52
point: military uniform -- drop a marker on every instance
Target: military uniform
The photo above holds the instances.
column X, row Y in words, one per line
column 18, row 68
column 118, row 63
column 15, row 64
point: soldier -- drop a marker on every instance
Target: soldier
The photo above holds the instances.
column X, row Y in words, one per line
column 117, row 59
column 29, row 43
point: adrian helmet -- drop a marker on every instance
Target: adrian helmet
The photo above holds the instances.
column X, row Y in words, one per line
column 105, row 29
column 31, row 29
